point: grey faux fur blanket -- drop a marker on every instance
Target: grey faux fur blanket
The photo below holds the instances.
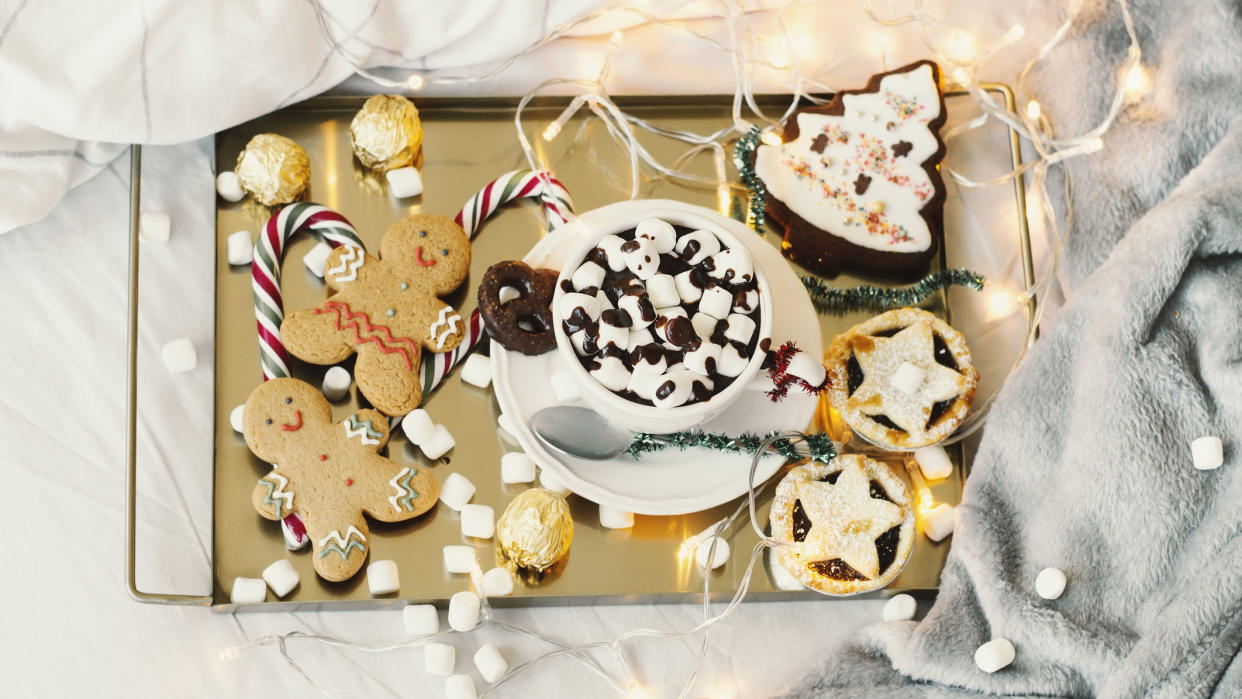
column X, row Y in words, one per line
column 1085, row 462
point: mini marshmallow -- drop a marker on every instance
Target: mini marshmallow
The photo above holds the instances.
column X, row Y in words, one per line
column 463, row 611
column 1050, row 583
column 644, row 384
column 740, row 328
column 248, row 591
column 550, row 481
column 477, row 371
column 746, row 301
column 687, row 290
column 237, row 418
column 648, row 359
column 564, row 386
column 611, row 245
column 900, row 608
column 938, row 522
column 642, row 258
column 675, row 390
column 418, row 427
column 806, row 367
column 240, row 248
column 605, row 303
column 719, row 557
column 638, row 338
column 612, row 518
column 731, row 362
column 584, row 343
column 611, row 373
column 588, row 276
column 382, row 578
column 336, row 384
column 661, row 234
column 490, row 662
column 640, row 310
column 704, row 324
column 507, row 294
column 662, row 290
column 732, row 265
column 1207, row 452
column 517, row 467
column 460, row 559
column 154, row 226
column 934, row 462
column 705, row 244
column 317, row 258
column 179, row 355
column 497, row 582
column 663, row 315
column 456, row 491
column 420, row 619
column 907, row 378
column 703, row 359
column 460, row 687
column 439, row 658
column 573, row 300
column 716, row 302
column 228, row 186
column 404, row 182
column 507, row 427
column 282, row 577
column 478, row 521
column 439, row 444
column 614, row 335
column 994, row 655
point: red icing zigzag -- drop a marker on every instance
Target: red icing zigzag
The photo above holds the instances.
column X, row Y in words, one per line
column 378, row 334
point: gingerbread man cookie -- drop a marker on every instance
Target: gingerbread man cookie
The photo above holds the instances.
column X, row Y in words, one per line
column 329, row 473
column 387, row 309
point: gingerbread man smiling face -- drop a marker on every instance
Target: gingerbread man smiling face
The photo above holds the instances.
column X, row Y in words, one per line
column 329, row 473
column 387, row 309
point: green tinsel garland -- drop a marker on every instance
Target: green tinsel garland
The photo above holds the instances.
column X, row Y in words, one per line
column 829, row 299
column 819, row 445
column 743, row 160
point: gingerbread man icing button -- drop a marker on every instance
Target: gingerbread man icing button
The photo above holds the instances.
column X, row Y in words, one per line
column 329, row 473
column 388, row 309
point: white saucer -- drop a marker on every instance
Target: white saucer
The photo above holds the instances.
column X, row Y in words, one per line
column 670, row 482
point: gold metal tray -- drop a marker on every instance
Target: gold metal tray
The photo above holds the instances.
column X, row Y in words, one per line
column 467, row 143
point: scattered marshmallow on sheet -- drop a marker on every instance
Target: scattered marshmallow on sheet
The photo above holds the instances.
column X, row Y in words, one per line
column 404, row 182
column 240, row 248
column 994, row 655
column 463, row 611
column 282, row 577
column 456, row 491
column 938, row 521
column 336, row 382
column 316, row 258
column 1208, row 453
column 248, row 591
column 420, row 619
column 612, row 518
column 900, row 608
column 439, row 659
column 441, row 443
column 418, row 427
column 1050, row 583
column 179, row 355
column 460, row 559
column 478, row 521
column 490, row 662
column 934, row 462
column 237, row 419
column 154, row 226
column 460, row 687
column 719, row 557
column 498, row 582
column 477, row 371
column 382, row 577
column 228, row 186
column 517, row 467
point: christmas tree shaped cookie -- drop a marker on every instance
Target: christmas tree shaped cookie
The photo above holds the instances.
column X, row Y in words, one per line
column 855, row 183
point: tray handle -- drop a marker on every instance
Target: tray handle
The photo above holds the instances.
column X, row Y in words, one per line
column 131, row 410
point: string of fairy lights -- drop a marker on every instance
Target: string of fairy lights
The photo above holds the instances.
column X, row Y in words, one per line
column 960, row 54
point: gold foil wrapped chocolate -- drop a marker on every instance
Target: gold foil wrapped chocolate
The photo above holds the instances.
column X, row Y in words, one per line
column 386, row 132
column 273, row 169
column 536, row 529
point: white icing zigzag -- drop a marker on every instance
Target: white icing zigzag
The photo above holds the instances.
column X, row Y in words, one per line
column 404, row 493
column 277, row 483
column 448, row 317
column 335, row 535
column 351, row 259
column 358, row 431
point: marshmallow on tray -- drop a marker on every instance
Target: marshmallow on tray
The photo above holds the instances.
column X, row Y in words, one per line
column 938, row 521
column 994, row 655
column 382, row 578
column 418, row 427
column 900, row 608
column 718, row 557
column 498, row 582
column 1050, row 583
column 248, row 591
column 440, row 443
column 404, row 182
column 439, row 659
column 460, row 687
column 154, row 226
column 316, row 258
column 459, row 560
column 517, row 467
column 612, row 518
column 179, row 355
column 478, row 521
column 463, row 611
column 456, row 491
column 420, row 619
column 490, row 662
column 1207, row 453
column 240, row 248
column 228, row 186
column 237, row 419
column 282, row 577
column 336, row 382
column 477, row 371
column 934, row 462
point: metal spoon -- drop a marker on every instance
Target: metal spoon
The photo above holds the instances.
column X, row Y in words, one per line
column 580, row 432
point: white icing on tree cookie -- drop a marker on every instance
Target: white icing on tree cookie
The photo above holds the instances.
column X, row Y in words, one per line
column 860, row 176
